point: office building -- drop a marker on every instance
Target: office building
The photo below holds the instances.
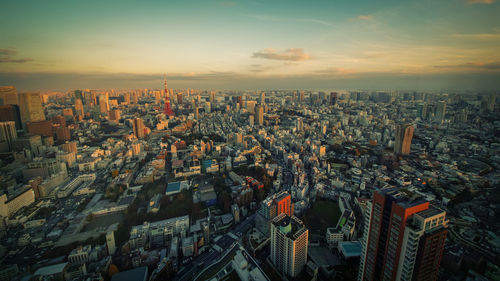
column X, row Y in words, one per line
column 63, row 134
column 440, row 111
column 333, row 98
column 9, row 205
column 11, row 112
column 404, row 135
column 60, row 120
column 30, row 105
column 79, row 107
column 115, row 115
column 8, row 95
column 41, row 128
column 289, row 241
column 422, row 111
column 104, row 103
column 69, row 147
column 403, row 239
column 8, row 135
column 271, row 207
column 158, row 233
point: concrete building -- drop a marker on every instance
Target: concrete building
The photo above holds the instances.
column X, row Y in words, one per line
column 138, row 126
column 272, row 206
column 289, row 241
column 405, row 238
column 236, row 213
column 8, row 95
column 8, row 135
column 110, row 243
column 80, row 255
column 31, row 108
column 404, row 135
column 11, row 204
column 158, row 233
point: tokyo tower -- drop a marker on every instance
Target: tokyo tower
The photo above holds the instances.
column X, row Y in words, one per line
column 167, row 110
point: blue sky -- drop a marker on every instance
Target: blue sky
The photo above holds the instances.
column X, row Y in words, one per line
column 256, row 44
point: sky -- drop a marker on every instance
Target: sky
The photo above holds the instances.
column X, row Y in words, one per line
column 364, row 44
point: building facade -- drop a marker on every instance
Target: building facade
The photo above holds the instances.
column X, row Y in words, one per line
column 403, row 239
column 289, row 241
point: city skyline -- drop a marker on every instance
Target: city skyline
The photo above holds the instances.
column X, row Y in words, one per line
column 239, row 45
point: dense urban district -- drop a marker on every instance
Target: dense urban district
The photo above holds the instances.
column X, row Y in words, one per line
column 164, row 184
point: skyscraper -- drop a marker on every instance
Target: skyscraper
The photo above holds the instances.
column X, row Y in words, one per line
column 138, row 127
column 300, row 124
column 8, row 135
column 31, row 108
column 79, row 107
column 212, row 97
column 333, row 98
column 404, row 135
column 289, row 241
column 11, row 112
column 104, row 103
column 440, row 111
column 403, row 239
column 260, row 115
column 8, row 95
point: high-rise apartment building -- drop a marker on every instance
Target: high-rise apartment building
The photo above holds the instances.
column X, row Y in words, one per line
column 403, row 239
column 272, row 206
column 31, row 108
column 138, row 127
column 260, row 115
column 404, row 135
column 440, row 111
column 289, row 241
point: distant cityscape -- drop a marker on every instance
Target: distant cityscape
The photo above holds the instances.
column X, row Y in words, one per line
column 189, row 184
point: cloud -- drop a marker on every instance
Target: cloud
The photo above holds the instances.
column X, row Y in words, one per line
column 7, row 52
column 320, row 22
column 488, row 66
column 477, row 36
column 300, row 20
column 292, row 54
column 480, row 1
column 7, row 56
column 364, row 17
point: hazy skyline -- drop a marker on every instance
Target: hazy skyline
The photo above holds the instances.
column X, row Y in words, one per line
column 450, row 44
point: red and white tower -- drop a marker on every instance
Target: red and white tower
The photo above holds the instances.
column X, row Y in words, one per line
column 167, row 110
